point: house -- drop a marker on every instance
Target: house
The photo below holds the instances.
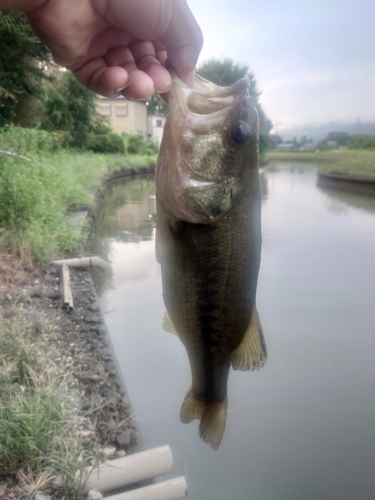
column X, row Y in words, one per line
column 285, row 146
column 123, row 115
column 309, row 146
column 155, row 127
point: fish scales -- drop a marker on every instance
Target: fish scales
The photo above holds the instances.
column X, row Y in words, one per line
column 210, row 267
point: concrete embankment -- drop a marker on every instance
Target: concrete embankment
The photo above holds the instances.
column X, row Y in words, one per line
column 359, row 185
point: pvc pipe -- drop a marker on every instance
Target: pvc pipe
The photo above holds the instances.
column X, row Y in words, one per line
column 114, row 474
column 166, row 490
column 67, row 300
column 83, row 262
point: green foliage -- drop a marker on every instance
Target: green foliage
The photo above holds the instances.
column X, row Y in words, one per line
column 70, row 107
column 136, row 145
column 106, row 143
column 22, row 61
column 24, row 141
column 274, row 141
column 157, row 106
column 341, row 138
column 224, row 73
column 33, row 409
column 39, row 412
column 32, row 212
column 57, row 111
column 362, row 142
column 37, row 196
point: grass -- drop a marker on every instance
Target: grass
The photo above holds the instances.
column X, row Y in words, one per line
column 37, row 196
column 38, row 411
column 350, row 162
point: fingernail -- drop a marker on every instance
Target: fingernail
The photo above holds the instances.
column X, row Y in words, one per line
column 164, row 89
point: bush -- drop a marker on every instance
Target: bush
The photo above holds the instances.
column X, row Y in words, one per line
column 32, row 213
column 363, row 142
column 106, row 143
column 136, row 145
column 29, row 141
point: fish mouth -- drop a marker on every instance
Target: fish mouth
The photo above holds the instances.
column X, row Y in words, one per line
column 207, row 98
column 206, row 101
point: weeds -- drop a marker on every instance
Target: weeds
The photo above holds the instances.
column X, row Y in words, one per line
column 39, row 420
column 37, row 196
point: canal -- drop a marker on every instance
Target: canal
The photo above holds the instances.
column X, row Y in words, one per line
column 303, row 427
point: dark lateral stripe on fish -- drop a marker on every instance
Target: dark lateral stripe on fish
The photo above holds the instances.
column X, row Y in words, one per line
column 210, row 333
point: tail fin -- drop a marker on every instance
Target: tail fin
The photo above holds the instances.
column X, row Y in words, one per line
column 252, row 352
column 213, row 417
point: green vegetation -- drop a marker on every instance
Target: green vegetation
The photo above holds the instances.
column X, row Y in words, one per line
column 38, row 410
column 363, row 142
column 22, row 60
column 354, row 163
column 45, row 183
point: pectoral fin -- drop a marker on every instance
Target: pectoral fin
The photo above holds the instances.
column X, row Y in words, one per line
column 168, row 326
column 251, row 354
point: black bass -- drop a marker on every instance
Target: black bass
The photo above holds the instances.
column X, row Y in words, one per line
column 209, row 240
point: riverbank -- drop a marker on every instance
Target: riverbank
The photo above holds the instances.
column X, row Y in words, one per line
column 62, row 354
column 349, row 163
column 57, row 371
column 40, row 191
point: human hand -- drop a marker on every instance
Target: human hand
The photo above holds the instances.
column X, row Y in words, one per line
column 119, row 46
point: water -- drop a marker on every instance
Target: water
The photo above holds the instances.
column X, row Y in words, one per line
column 303, row 427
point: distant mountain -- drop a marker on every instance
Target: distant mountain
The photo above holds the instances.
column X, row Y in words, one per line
column 319, row 132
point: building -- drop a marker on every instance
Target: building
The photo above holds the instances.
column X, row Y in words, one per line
column 309, row 146
column 285, row 146
column 123, row 115
column 155, row 127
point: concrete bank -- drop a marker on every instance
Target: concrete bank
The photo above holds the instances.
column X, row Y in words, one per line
column 341, row 182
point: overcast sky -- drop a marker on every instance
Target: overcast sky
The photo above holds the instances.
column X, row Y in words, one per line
column 314, row 61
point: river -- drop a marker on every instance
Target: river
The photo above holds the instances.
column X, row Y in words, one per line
column 303, row 427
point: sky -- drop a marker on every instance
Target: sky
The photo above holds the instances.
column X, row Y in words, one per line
column 314, row 61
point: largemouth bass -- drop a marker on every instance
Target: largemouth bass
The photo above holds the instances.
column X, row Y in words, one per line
column 209, row 240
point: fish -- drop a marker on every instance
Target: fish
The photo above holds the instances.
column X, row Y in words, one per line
column 208, row 240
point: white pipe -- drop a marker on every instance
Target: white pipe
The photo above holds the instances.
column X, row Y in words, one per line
column 166, row 490
column 83, row 262
column 114, row 474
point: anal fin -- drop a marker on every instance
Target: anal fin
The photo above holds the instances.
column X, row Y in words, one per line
column 251, row 354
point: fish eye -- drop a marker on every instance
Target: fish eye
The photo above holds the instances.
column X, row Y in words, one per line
column 240, row 132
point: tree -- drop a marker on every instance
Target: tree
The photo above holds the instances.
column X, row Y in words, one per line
column 22, row 61
column 341, row 138
column 157, row 106
column 224, row 73
column 70, row 107
column 274, row 141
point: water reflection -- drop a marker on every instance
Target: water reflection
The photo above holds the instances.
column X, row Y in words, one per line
column 338, row 200
column 126, row 214
column 303, row 427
